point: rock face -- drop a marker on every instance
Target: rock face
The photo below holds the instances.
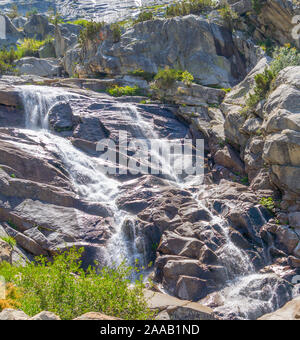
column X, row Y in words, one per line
column 209, row 52
column 38, row 27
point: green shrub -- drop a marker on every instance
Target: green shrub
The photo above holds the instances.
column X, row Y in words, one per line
column 257, row 5
column 144, row 16
column 13, row 13
column 143, row 74
column 166, row 78
column 9, row 240
column 116, row 31
column 268, row 202
column 61, row 286
column 90, row 31
column 282, row 57
column 30, row 47
column 31, row 13
column 118, row 91
column 228, row 15
column 185, row 7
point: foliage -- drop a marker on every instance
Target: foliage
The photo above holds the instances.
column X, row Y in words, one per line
column 229, row 16
column 282, row 57
column 143, row 74
column 116, row 31
column 167, row 77
column 9, row 240
column 56, row 19
column 257, row 5
column 90, row 31
column 31, row 13
column 185, row 7
column 144, row 16
column 118, row 91
column 61, row 286
column 13, row 13
column 268, row 202
column 12, row 297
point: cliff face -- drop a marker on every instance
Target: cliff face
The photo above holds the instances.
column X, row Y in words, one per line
column 230, row 241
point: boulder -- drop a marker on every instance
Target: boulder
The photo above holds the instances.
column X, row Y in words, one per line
column 45, row 316
column 61, row 116
column 38, row 27
column 171, row 308
column 39, row 67
column 5, row 251
column 96, row 316
column 9, row 34
column 209, row 52
column 291, row 311
column 12, row 314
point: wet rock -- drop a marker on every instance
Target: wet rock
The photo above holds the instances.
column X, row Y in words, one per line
column 190, row 288
column 291, row 311
column 61, row 117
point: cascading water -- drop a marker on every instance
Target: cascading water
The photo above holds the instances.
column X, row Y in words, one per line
column 243, row 295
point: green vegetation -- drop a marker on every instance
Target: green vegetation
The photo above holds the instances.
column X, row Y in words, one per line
column 13, row 13
column 166, row 78
column 27, row 48
column 229, row 16
column 12, row 295
column 91, row 31
column 143, row 74
column 116, row 31
column 144, row 16
column 9, row 240
column 118, row 91
column 257, row 5
column 268, row 202
column 282, row 58
column 31, row 13
column 61, row 286
column 185, row 7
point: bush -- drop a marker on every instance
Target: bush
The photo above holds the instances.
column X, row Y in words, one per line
column 268, row 203
column 12, row 297
column 257, row 5
column 90, row 31
column 186, row 7
column 166, row 78
column 13, row 13
column 118, row 91
column 229, row 16
column 116, row 31
column 30, row 47
column 282, row 58
column 62, row 287
column 144, row 16
column 143, row 74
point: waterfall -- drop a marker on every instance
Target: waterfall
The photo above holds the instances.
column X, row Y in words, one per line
column 91, row 184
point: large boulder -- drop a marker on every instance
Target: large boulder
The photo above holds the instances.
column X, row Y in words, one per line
column 193, row 43
column 9, row 34
column 291, row 311
column 38, row 27
column 40, row 67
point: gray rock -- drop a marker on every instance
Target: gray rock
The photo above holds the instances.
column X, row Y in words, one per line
column 39, row 67
column 12, row 314
column 38, row 27
column 45, row 316
column 61, row 117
